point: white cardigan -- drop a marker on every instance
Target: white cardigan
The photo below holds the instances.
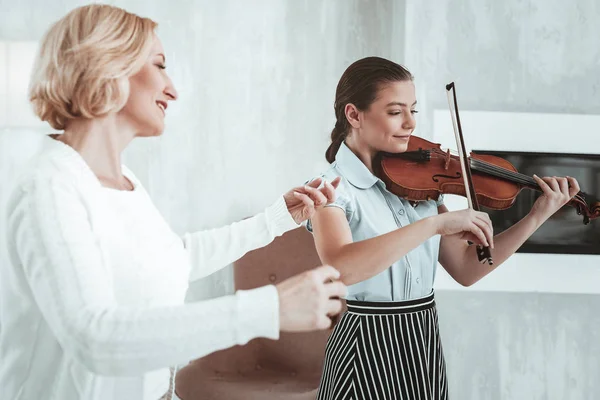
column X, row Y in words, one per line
column 92, row 303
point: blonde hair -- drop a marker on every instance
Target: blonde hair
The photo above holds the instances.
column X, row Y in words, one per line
column 84, row 62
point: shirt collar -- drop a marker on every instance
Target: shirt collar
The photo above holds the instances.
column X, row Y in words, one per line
column 353, row 169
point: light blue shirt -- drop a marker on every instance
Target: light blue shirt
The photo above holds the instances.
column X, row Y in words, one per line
column 371, row 210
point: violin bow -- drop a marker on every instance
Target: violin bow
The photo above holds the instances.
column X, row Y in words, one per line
column 483, row 253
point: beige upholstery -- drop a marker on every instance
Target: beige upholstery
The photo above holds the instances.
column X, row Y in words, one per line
column 289, row 368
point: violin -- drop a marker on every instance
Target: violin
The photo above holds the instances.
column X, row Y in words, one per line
column 424, row 171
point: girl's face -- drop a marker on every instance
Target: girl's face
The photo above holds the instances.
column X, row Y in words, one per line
column 388, row 123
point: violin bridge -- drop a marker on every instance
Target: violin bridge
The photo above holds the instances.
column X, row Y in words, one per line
column 447, row 164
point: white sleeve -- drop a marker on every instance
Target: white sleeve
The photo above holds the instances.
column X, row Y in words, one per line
column 214, row 249
column 70, row 283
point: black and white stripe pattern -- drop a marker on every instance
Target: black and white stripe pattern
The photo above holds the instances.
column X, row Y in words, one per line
column 381, row 351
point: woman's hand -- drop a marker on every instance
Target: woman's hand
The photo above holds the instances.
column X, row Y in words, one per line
column 474, row 226
column 557, row 192
column 308, row 301
column 302, row 201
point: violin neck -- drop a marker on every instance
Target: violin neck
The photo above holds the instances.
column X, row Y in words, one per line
column 499, row 172
column 524, row 180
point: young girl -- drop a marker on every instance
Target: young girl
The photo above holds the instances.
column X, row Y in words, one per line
column 387, row 345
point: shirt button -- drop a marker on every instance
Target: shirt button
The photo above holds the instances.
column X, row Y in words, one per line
column 401, row 212
column 418, row 280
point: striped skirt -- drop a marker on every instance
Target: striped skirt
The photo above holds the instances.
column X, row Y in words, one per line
column 385, row 351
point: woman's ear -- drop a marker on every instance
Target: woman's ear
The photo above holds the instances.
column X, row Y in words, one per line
column 353, row 115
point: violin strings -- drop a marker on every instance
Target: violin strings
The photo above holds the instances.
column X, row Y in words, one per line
column 522, row 178
column 494, row 170
column 498, row 171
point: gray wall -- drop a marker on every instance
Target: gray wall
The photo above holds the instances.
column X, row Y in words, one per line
column 516, row 56
column 510, row 55
column 501, row 345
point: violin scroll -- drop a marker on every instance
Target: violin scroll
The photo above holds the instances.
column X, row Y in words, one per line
column 589, row 210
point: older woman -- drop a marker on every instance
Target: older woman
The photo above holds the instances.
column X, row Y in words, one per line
column 93, row 298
